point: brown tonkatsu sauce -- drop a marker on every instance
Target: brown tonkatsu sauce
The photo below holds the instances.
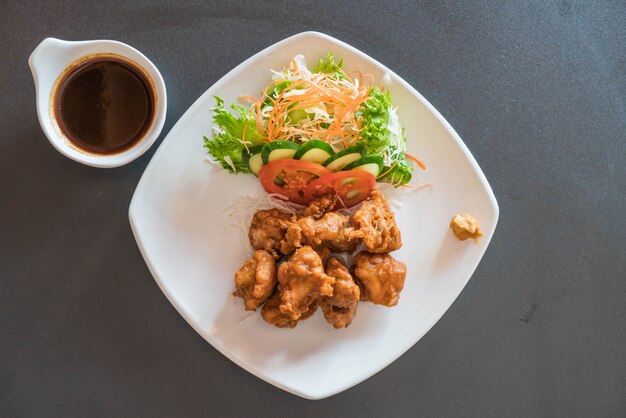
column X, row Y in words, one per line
column 104, row 105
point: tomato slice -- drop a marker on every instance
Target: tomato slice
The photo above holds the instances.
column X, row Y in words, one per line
column 351, row 187
column 290, row 178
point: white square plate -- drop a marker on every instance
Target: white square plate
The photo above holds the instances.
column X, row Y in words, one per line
column 178, row 217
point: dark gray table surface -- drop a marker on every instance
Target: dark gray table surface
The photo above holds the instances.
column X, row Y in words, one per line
column 537, row 91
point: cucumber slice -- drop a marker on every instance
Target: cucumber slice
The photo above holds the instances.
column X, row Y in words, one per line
column 252, row 157
column 297, row 115
column 255, row 163
column 278, row 150
column 343, row 158
column 373, row 165
column 314, row 150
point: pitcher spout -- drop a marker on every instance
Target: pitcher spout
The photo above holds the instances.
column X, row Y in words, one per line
column 49, row 51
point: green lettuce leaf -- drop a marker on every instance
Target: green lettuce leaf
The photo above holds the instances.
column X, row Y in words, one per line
column 227, row 149
column 375, row 135
column 401, row 172
column 329, row 66
column 381, row 134
column 235, row 124
column 227, row 146
column 274, row 91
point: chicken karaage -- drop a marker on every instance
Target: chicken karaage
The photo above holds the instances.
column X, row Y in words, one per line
column 320, row 206
column 340, row 308
column 267, row 232
column 256, row 279
column 301, row 282
column 295, row 289
column 272, row 314
column 375, row 224
column 327, row 231
column 381, row 277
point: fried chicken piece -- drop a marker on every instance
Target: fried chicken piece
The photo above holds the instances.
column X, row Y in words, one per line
column 465, row 226
column 340, row 308
column 256, row 279
column 325, row 232
column 376, row 225
column 272, row 314
column 301, row 281
column 316, row 226
column 323, row 252
column 267, row 232
column 320, row 206
column 381, row 277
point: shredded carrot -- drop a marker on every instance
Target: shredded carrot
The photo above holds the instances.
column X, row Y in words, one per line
column 249, row 98
column 343, row 138
column 339, row 98
column 388, row 171
column 243, row 137
column 351, row 107
column 417, row 161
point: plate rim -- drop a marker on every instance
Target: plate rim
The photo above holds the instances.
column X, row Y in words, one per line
column 486, row 240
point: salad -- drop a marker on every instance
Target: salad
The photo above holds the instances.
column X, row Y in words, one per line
column 312, row 132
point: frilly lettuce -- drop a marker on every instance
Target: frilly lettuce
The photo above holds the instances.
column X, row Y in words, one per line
column 381, row 134
column 226, row 146
column 329, row 66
